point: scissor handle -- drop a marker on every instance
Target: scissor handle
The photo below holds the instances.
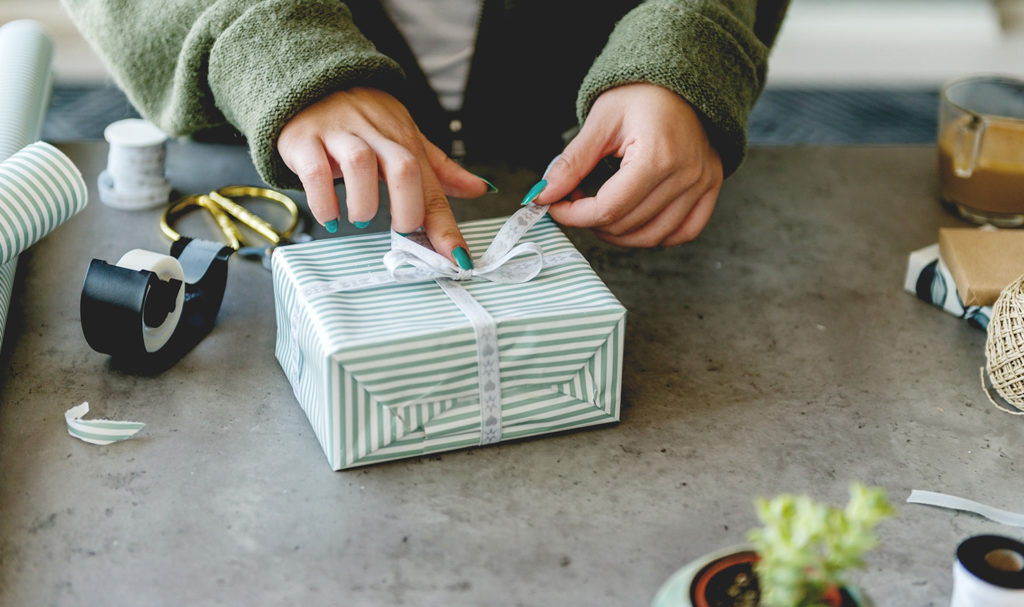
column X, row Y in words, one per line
column 196, row 201
column 219, row 204
column 252, row 220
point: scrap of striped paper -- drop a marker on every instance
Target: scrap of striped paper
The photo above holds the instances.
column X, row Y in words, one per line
column 390, row 372
column 98, row 431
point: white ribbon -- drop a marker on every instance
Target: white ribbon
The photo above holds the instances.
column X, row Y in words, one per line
column 506, row 261
column 952, row 502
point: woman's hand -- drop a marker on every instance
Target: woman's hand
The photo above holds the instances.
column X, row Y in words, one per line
column 364, row 135
column 666, row 185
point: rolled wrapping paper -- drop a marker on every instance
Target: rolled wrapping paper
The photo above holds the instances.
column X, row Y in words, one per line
column 40, row 188
column 26, row 56
column 988, row 572
column 166, row 268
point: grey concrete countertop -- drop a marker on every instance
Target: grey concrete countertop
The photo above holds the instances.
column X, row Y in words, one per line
column 777, row 353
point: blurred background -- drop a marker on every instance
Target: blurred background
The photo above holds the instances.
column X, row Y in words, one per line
column 843, row 71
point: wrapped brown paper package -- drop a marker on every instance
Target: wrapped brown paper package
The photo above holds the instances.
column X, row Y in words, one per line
column 982, row 261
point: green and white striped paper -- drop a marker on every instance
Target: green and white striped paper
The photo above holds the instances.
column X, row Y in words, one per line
column 26, row 55
column 40, row 188
column 390, row 372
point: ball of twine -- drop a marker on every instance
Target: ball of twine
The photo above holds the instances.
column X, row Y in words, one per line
column 1004, row 347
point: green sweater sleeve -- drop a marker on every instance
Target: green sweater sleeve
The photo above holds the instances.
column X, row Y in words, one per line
column 192, row 65
column 713, row 53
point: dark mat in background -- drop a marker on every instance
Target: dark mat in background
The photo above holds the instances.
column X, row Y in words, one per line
column 782, row 116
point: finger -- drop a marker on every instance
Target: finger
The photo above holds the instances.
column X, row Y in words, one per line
column 439, row 223
column 357, row 163
column 677, row 223
column 401, row 171
column 309, row 161
column 454, row 179
column 615, row 199
column 696, row 221
column 595, row 140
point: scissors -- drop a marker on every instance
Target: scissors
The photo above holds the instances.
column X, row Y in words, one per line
column 226, row 212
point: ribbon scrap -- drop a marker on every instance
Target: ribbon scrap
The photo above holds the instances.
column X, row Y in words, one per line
column 98, row 431
column 506, row 261
column 952, row 502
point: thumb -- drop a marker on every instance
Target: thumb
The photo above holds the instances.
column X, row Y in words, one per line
column 577, row 160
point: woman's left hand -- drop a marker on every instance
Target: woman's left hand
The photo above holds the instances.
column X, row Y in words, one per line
column 666, row 185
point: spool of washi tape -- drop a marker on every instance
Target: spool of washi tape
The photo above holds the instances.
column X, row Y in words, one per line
column 135, row 176
column 988, row 572
column 149, row 309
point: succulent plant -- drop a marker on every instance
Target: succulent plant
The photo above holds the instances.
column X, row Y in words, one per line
column 805, row 547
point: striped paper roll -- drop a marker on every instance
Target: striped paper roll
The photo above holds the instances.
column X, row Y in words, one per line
column 40, row 188
column 391, row 372
column 26, row 56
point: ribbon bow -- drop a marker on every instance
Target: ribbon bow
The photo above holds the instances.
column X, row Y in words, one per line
column 411, row 259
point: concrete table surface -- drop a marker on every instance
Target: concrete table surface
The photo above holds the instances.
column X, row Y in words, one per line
column 777, row 353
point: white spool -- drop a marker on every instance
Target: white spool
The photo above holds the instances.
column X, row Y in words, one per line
column 991, row 575
column 134, row 178
column 165, row 267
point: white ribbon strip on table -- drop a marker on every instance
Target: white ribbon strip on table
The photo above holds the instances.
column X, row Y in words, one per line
column 506, row 261
column 98, row 431
column 942, row 500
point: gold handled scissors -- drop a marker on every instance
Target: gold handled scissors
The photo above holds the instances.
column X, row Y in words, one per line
column 226, row 212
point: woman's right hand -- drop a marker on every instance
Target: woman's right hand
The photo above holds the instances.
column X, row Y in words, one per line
column 363, row 135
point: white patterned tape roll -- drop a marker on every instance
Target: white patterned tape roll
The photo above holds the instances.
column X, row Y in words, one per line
column 134, row 179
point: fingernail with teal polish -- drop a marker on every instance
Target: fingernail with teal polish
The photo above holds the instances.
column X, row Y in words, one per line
column 361, row 225
column 462, row 258
column 491, row 188
column 331, row 226
column 534, row 192
column 402, row 233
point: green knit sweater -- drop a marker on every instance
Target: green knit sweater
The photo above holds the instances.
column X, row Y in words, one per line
column 250, row 65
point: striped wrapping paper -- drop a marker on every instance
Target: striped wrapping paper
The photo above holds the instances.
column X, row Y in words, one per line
column 391, row 372
column 40, row 188
column 26, row 54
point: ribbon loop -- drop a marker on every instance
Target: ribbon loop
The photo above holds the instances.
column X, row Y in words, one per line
column 412, row 260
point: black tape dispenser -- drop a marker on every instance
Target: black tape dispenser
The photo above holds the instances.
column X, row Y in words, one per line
column 148, row 309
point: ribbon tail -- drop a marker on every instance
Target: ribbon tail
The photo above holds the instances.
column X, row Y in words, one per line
column 511, row 231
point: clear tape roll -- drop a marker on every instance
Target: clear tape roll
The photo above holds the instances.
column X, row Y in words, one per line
column 988, row 572
column 165, row 267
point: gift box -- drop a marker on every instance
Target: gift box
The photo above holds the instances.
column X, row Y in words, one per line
column 394, row 352
column 930, row 280
column 983, row 261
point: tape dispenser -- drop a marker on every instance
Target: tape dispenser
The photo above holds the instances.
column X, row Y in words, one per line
column 149, row 309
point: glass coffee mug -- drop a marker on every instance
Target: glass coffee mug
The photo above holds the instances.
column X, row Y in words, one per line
column 981, row 149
